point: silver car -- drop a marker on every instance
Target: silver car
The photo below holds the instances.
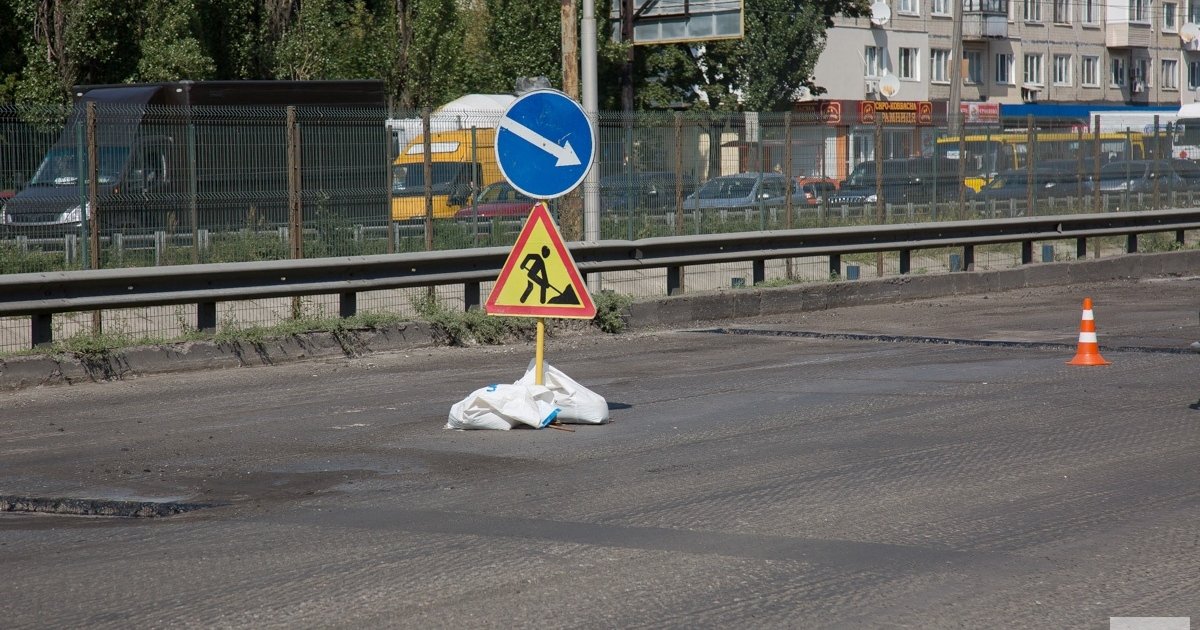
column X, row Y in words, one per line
column 743, row 191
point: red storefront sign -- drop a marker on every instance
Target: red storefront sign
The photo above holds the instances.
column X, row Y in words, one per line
column 980, row 112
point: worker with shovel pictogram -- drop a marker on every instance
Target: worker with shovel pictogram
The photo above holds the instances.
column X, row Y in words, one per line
column 534, row 266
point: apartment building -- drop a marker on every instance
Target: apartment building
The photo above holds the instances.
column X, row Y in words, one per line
column 1126, row 52
column 1019, row 57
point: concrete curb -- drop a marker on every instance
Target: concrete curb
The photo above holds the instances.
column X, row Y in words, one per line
column 32, row 371
column 649, row 314
column 687, row 309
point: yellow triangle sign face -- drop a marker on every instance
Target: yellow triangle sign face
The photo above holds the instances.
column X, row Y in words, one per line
column 539, row 278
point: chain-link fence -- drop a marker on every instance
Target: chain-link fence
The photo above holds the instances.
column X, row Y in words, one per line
column 112, row 186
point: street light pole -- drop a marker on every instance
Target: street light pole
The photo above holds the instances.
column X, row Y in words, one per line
column 954, row 106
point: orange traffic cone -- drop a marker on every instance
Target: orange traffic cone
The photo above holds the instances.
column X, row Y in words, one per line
column 1089, row 351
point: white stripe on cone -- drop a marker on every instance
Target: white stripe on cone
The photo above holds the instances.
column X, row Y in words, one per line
column 1087, row 315
column 1087, row 337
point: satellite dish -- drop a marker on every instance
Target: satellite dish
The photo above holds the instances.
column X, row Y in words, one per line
column 880, row 13
column 889, row 86
column 1189, row 32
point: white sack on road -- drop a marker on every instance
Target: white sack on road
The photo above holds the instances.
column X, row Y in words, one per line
column 503, row 406
column 578, row 404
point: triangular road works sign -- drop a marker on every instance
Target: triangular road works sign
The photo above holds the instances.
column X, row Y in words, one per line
column 539, row 278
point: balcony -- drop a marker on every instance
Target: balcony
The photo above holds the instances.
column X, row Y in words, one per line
column 985, row 19
column 1128, row 35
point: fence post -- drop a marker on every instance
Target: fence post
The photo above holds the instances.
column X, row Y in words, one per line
column 93, row 178
column 193, row 189
column 1031, row 139
column 879, row 209
column 789, row 180
column 427, row 175
column 678, row 174
column 295, row 211
column 1096, row 165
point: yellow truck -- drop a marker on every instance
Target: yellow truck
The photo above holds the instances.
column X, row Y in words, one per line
column 463, row 163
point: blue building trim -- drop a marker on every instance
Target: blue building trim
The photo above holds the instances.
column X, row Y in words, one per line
column 1073, row 111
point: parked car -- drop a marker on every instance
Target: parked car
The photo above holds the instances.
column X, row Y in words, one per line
column 653, row 190
column 1137, row 176
column 814, row 189
column 497, row 201
column 1047, row 182
column 743, row 191
column 904, row 180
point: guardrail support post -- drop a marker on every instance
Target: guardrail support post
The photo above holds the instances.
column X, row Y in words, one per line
column 1026, row 252
column 206, row 317
column 968, row 258
column 758, row 272
column 347, row 304
column 470, row 295
column 835, row 266
column 674, row 280
column 905, row 261
column 1081, row 247
column 41, row 330
column 1180, row 237
column 1131, row 244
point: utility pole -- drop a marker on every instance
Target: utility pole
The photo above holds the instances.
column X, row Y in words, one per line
column 954, row 106
column 591, row 181
column 627, row 67
column 570, row 49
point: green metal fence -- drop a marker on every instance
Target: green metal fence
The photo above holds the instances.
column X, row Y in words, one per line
column 117, row 186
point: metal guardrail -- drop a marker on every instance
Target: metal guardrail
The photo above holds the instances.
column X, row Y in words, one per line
column 40, row 295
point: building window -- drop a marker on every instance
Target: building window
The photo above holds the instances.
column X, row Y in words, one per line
column 1089, row 11
column 1004, row 69
column 940, row 7
column 1193, row 75
column 1139, row 11
column 909, row 63
column 1062, row 11
column 872, row 57
column 1170, row 13
column 1089, row 72
column 1033, row 69
column 974, row 59
column 939, row 62
column 1032, row 10
column 1193, row 15
column 1141, row 72
column 1062, row 69
column 1117, row 75
column 909, row 7
column 1170, row 74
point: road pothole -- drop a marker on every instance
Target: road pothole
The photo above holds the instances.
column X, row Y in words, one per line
column 97, row 507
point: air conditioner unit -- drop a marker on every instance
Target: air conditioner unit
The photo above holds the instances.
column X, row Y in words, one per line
column 872, row 87
column 1138, row 87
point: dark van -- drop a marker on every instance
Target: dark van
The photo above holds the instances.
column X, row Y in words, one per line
column 207, row 154
column 917, row 180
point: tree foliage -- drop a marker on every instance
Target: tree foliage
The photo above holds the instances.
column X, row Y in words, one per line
column 427, row 51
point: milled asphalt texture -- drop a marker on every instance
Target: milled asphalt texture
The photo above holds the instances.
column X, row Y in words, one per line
column 687, row 310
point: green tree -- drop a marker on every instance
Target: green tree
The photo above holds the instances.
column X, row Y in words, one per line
column 428, row 62
column 170, row 50
column 523, row 40
column 12, row 57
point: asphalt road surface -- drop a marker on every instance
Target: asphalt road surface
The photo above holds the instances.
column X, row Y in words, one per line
column 847, row 468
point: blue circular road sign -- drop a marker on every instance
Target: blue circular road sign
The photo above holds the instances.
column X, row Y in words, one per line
column 545, row 144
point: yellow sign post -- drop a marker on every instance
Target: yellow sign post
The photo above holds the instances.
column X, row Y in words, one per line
column 540, row 279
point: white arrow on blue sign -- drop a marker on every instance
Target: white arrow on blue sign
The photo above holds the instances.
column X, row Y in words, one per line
column 545, row 144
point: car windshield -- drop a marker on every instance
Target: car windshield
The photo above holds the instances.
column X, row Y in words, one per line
column 863, row 175
column 60, row 167
column 500, row 193
column 726, row 188
column 409, row 179
column 1007, row 179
